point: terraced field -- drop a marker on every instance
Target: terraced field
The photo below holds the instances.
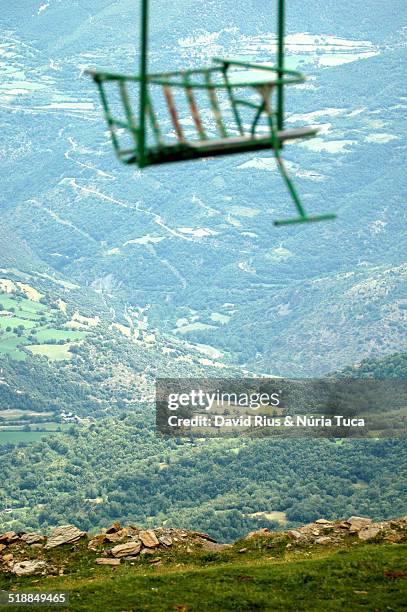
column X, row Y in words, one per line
column 31, row 326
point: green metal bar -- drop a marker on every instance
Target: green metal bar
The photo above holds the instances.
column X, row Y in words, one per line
column 109, row 119
column 154, row 122
column 246, row 103
column 128, row 111
column 188, row 71
column 126, row 152
column 261, row 108
column 290, row 185
column 159, row 80
column 214, row 105
column 141, row 149
column 109, row 76
column 193, row 107
column 231, row 99
column 165, row 79
column 280, row 63
column 232, row 62
column 306, row 219
column 276, row 145
column 124, row 125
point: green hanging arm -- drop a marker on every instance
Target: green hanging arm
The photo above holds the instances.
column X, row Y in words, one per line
column 280, row 63
column 142, row 145
column 303, row 217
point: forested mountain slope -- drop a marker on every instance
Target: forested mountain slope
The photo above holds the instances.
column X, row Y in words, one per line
column 224, row 486
column 196, row 241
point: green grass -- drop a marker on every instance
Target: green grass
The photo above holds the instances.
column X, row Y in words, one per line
column 8, row 346
column 47, row 334
column 279, row 517
column 55, row 352
column 28, row 314
column 15, row 437
column 16, row 413
column 24, row 305
column 191, row 327
column 7, row 301
column 361, row 577
column 14, row 434
column 15, row 322
column 50, row 426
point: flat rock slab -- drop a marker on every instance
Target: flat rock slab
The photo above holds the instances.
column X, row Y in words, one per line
column 8, row 537
column 357, row 522
column 202, row 535
column 368, row 532
column 165, row 540
column 107, row 561
column 117, row 536
column 26, row 568
column 124, row 550
column 32, row 538
column 148, row 551
column 149, row 538
column 64, row 534
column 156, row 560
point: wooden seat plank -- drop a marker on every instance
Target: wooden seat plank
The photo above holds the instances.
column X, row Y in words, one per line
column 291, row 134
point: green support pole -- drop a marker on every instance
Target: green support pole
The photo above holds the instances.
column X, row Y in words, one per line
column 280, row 63
column 143, row 85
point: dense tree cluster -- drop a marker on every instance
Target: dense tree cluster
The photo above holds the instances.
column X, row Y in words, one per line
column 217, row 485
column 117, row 468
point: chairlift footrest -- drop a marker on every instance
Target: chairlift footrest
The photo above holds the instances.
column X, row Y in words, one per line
column 305, row 219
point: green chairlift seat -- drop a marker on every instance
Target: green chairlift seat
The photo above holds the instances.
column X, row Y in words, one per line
column 230, row 90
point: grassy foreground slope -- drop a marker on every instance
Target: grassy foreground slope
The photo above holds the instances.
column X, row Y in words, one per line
column 255, row 574
column 351, row 581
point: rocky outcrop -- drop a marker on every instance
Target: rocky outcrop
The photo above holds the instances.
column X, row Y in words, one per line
column 117, row 536
column 107, row 561
column 149, row 539
column 27, row 568
column 8, row 537
column 126, row 550
column 117, row 544
column 65, row 534
column 356, row 523
column 32, row 538
column 369, row 532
